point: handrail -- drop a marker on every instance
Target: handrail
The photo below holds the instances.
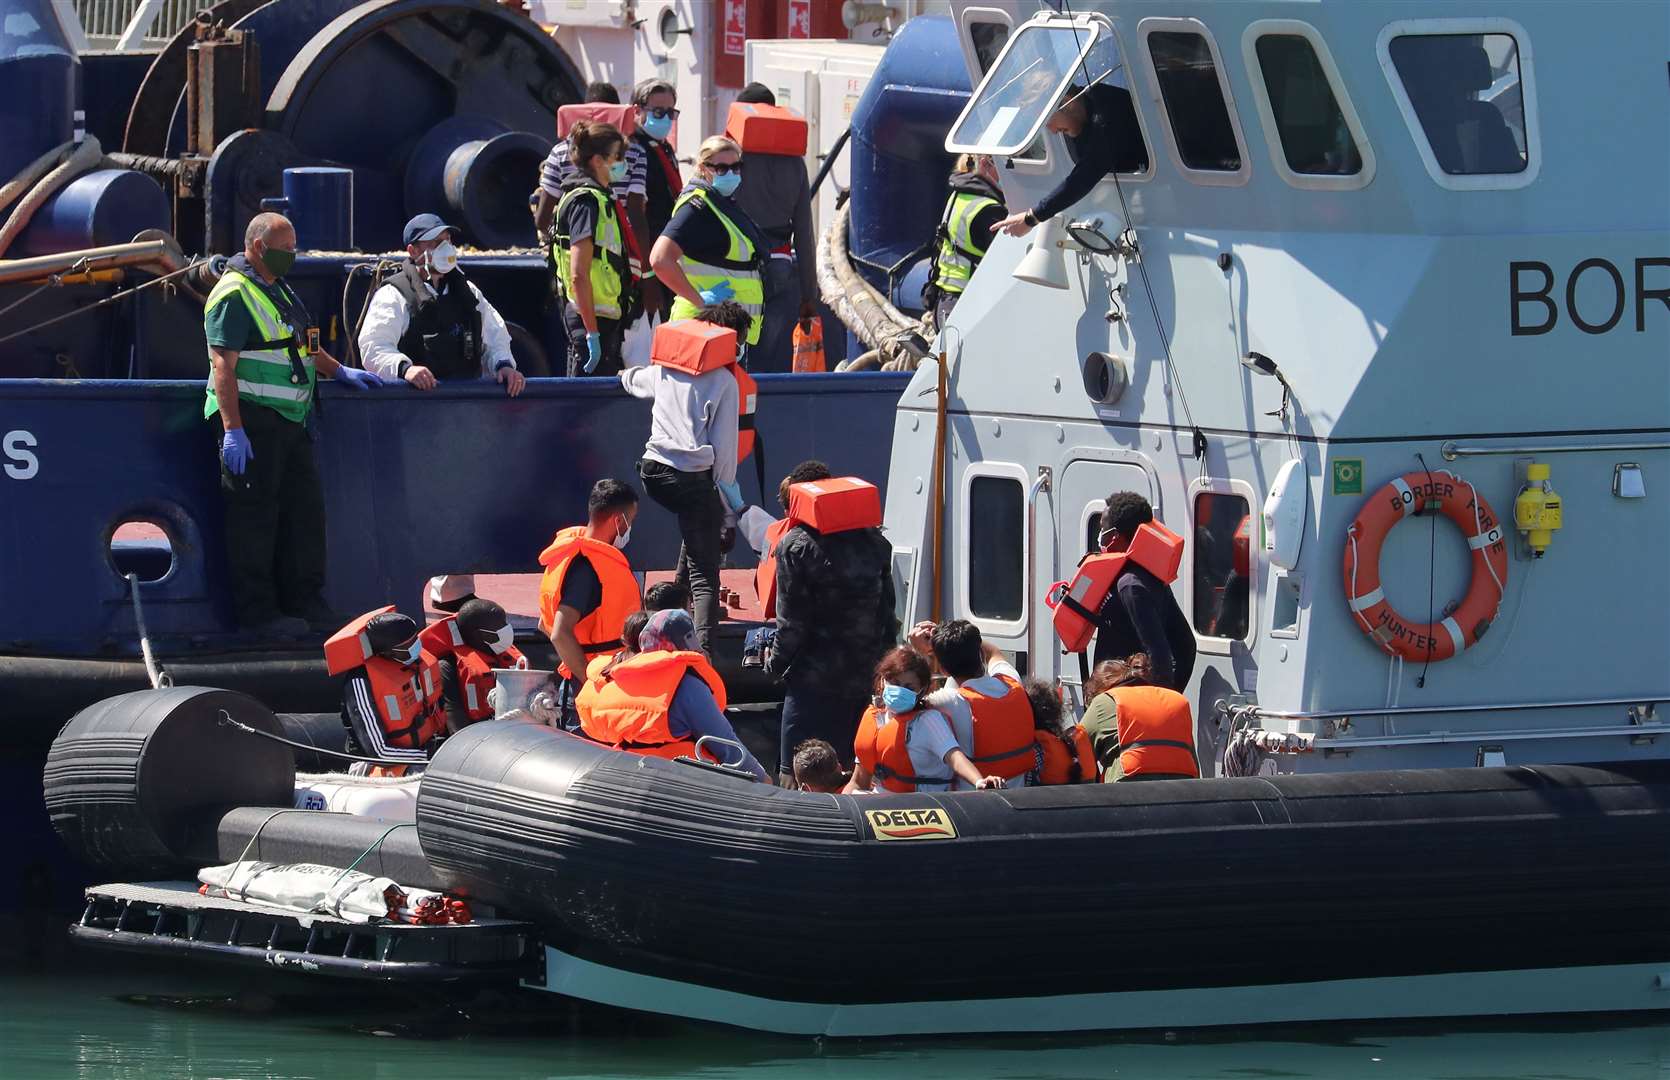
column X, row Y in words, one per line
column 1259, row 712
column 1040, row 483
column 1452, row 449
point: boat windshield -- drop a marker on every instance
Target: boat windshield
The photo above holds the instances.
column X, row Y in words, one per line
column 1043, row 64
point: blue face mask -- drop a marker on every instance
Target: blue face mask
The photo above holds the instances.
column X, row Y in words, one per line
column 617, row 172
column 657, row 127
column 898, row 699
column 727, row 184
column 411, row 653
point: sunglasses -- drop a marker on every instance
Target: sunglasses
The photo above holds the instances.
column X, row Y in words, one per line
column 721, row 170
column 661, row 112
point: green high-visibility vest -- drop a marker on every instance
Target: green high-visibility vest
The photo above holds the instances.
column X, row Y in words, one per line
column 739, row 267
column 265, row 374
column 959, row 250
column 608, row 264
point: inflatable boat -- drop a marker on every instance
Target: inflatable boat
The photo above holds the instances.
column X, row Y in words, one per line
column 684, row 889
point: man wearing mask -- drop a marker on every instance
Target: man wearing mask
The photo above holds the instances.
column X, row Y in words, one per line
column 650, row 209
column 779, row 200
column 588, row 590
column 429, row 324
column 264, row 361
column 1103, row 136
column 1140, row 614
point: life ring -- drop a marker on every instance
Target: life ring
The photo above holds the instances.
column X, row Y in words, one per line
column 1409, row 495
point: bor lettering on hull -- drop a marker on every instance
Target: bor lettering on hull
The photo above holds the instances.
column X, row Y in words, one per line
column 926, row 824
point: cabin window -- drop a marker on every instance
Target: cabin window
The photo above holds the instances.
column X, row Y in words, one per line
column 996, row 547
column 1040, row 66
column 988, row 39
column 1311, row 127
column 1196, row 107
column 1222, row 545
column 1465, row 91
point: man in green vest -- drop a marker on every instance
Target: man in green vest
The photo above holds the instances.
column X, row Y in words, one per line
column 263, row 359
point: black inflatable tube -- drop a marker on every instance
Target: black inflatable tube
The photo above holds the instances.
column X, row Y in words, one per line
column 137, row 782
column 667, row 870
column 287, row 836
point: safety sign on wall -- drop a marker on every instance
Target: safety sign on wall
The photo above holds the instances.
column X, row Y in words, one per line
column 735, row 28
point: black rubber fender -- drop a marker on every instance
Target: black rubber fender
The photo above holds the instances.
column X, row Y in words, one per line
column 137, row 782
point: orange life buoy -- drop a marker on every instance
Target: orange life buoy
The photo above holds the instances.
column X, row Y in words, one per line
column 1411, row 494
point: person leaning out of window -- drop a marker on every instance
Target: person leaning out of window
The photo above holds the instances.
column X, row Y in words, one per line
column 1100, row 125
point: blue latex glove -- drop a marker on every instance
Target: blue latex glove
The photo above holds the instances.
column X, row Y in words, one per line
column 721, row 291
column 732, row 494
column 358, row 378
column 236, row 451
column 594, row 350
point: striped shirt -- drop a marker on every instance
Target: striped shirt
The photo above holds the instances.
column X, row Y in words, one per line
column 558, row 168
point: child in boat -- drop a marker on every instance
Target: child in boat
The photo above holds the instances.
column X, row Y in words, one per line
column 904, row 746
column 816, row 768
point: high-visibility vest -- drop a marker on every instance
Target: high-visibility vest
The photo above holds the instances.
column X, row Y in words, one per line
column 1002, row 730
column 476, row 667
column 600, row 631
column 960, row 251
column 739, row 266
column 883, row 751
column 1156, row 731
column 266, row 374
column 626, row 705
column 608, row 263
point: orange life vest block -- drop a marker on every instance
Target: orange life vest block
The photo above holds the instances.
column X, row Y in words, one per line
column 765, row 574
column 349, row 647
column 599, row 632
column 836, row 505
column 1067, row 759
column 883, row 752
column 767, row 129
column 1002, row 730
column 696, row 347
column 1077, row 603
column 626, row 706
column 1156, row 731
column 623, row 117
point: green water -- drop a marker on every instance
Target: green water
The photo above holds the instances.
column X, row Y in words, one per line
column 90, row 1017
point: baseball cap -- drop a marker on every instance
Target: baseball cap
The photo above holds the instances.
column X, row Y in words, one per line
column 425, row 227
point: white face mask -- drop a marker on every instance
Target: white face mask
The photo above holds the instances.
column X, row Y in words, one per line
column 503, row 639
column 444, row 259
column 624, row 536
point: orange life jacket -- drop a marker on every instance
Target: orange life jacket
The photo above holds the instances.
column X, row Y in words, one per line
column 883, row 751
column 600, row 631
column 1067, row 759
column 476, row 667
column 408, row 700
column 765, row 575
column 1002, row 730
column 759, row 128
column 1156, row 731
column 695, row 347
column 627, row 706
column 1078, row 603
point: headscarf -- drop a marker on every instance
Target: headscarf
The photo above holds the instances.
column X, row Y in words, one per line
column 669, row 631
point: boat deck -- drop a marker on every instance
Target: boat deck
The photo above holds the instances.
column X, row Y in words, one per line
column 171, row 917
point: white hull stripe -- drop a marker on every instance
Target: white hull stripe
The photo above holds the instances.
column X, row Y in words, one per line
column 1484, row 993
column 1368, row 600
column 1405, row 497
column 1456, row 636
